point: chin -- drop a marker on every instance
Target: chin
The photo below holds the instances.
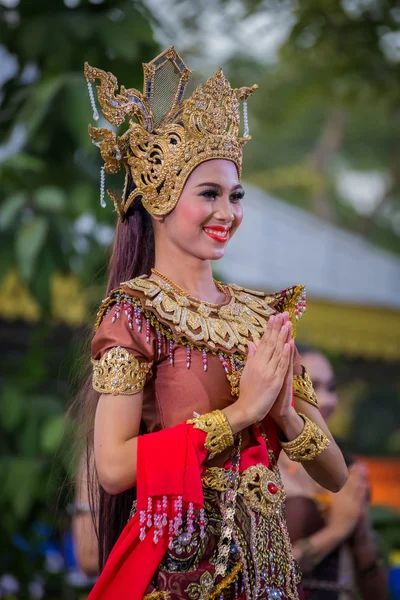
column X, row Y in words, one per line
column 216, row 254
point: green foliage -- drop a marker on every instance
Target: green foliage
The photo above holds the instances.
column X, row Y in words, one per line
column 328, row 105
column 52, row 176
column 34, row 457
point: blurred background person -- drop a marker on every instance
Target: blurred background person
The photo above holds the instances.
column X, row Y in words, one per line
column 332, row 536
column 83, row 527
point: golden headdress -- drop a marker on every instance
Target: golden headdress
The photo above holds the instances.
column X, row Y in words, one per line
column 170, row 136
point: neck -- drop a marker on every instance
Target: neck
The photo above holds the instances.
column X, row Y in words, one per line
column 190, row 273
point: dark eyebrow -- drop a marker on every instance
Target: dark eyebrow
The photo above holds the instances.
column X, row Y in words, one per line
column 216, row 185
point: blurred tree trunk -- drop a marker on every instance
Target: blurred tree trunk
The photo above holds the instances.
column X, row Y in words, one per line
column 321, row 158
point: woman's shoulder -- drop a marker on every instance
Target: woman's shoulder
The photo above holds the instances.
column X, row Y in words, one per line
column 291, row 299
column 125, row 298
column 121, row 322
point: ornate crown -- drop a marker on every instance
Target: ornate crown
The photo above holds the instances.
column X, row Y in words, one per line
column 170, row 136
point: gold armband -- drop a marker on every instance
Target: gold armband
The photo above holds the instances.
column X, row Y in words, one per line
column 309, row 444
column 303, row 388
column 119, row 372
column 219, row 432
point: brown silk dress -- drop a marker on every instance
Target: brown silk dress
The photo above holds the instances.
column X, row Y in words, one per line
column 195, row 353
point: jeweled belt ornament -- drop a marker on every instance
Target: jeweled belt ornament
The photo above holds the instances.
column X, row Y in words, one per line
column 268, row 568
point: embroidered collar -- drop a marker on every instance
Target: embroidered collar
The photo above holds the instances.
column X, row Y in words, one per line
column 228, row 327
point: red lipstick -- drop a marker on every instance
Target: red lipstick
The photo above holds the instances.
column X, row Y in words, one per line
column 219, row 233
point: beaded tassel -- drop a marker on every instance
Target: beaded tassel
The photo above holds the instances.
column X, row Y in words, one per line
column 177, row 515
column 189, row 520
column 138, row 317
column 117, row 310
column 142, row 519
column 102, row 187
column 246, row 130
column 149, row 512
column 205, row 362
column 171, row 353
column 224, row 362
column 128, row 309
column 158, row 528
column 188, row 356
column 164, row 518
column 92, row 101
column 159, row 344
column 236, row 590
column 148, row 331
column 171, row 534
column 301, row 305
column 202, row 524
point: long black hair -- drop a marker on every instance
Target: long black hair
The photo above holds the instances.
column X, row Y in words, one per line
column 133, row 254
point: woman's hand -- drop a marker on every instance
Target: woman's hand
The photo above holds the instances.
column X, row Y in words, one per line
column 348, row 504
column 283, row 411
column 263, row 375
column 283, row 403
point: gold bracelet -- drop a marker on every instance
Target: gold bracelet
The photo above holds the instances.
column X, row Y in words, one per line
column 219, row 432
column 309, row 444
column 303, row 388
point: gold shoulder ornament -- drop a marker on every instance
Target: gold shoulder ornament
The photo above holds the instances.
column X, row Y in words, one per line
column 303, row 388
column 119, row 372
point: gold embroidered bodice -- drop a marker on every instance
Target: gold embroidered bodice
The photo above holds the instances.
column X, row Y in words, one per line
column 178, row 344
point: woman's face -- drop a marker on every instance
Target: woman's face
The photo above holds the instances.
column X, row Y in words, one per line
column 208, row 212
column 323, row 378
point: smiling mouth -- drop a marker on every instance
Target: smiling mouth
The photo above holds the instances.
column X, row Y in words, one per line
column 219, row 234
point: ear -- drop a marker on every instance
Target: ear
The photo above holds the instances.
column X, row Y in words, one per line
column 158, row 218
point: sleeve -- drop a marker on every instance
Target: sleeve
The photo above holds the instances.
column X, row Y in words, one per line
column 122, row 352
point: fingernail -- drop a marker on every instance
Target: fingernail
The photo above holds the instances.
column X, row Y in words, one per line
column 271, row 319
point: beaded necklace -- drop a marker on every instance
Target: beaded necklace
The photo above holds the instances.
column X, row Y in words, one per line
column 182, row 292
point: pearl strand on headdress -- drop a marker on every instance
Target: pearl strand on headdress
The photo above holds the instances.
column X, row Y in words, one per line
column 92, row 101
column 246, row 130
column 102, row 187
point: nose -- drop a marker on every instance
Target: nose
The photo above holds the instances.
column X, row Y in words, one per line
column 223, row 210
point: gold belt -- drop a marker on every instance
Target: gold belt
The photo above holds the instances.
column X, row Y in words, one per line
column 260, row 486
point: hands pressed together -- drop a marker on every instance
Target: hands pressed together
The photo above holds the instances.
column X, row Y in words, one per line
column 267, row 380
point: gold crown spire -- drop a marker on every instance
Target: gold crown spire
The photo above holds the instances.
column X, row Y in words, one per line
column 170, row 136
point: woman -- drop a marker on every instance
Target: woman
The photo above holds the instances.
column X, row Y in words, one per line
column 332, row 536
column 170, row 349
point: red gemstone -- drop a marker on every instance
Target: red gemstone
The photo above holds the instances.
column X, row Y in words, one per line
column 272, row 488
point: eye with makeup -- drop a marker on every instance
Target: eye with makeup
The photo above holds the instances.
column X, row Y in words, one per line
column 212, row 193
column 236, row 196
